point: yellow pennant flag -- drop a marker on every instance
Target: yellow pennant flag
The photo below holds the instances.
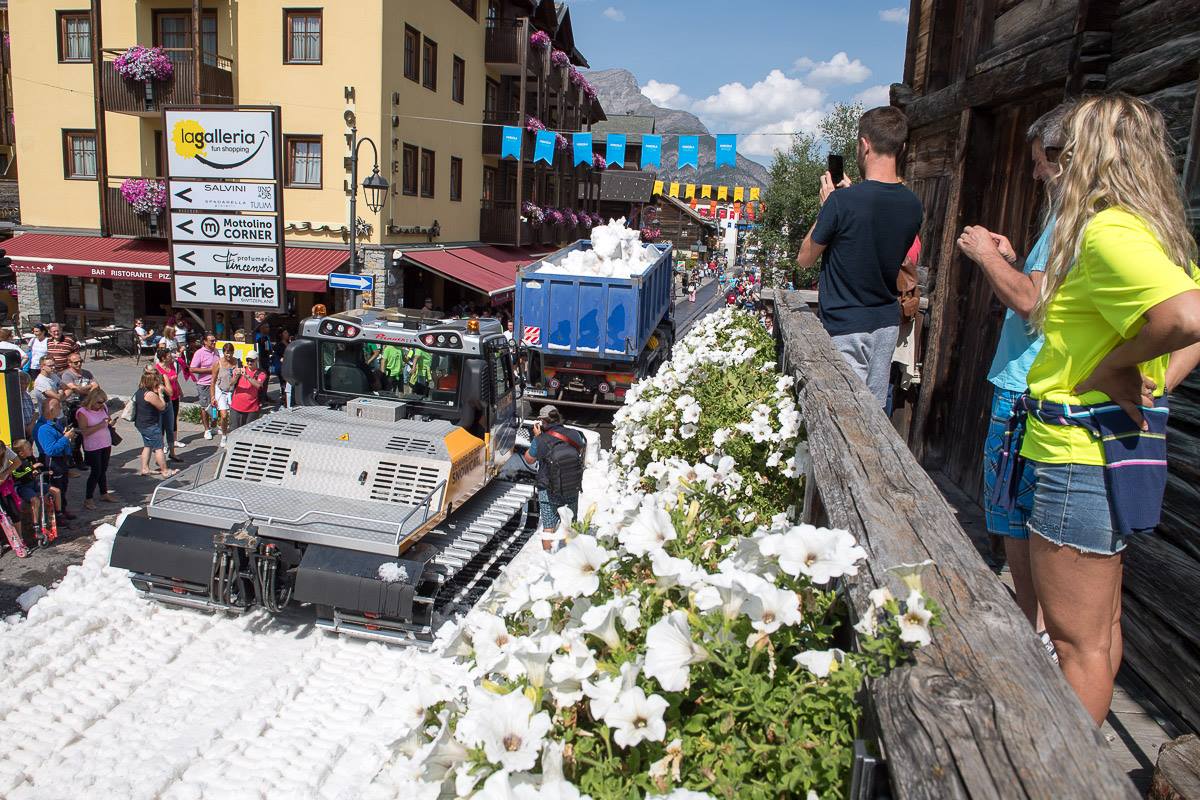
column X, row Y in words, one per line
column 706, row 191
column 753, row 192
column 674, row 189
column 722, row 192
column 658, row 187
column 690, row 192
column 738, row 193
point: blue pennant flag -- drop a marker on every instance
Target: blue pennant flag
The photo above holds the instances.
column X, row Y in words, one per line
column 543, row 148
column 614, row 153
column 689, row 151
column 651, row 150
column 582, row 144
column 726, row 149
column 510, row 142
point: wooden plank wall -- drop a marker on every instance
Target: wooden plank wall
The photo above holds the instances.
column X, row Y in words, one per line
column 970, row 164
column 983, row 713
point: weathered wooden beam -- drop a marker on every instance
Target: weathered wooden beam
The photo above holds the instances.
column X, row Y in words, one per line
column 983, row 713
column 1177, row 774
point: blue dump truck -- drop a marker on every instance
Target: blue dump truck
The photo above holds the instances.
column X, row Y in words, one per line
column 584, row 340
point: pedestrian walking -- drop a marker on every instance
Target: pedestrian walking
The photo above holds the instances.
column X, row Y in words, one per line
column 167, row 366
column 861, row 235
column 1017, row 287
column 1119, row 309
column 95, row 425
column 38, row 347
column 60, row 346
column 223, row 380
column 149, row 403
column 249, row 387
column 558, row 453
column 203, row 361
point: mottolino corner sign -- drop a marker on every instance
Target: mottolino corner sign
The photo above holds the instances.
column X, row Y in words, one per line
column 224, row 170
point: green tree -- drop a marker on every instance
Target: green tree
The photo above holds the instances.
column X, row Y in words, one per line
column 793, row 197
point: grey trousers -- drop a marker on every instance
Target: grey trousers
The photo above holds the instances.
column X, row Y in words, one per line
column 869, row 354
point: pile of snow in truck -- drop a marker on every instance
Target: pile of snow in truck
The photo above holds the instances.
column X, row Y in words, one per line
column 617, row 252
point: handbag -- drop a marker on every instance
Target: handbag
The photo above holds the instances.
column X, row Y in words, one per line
column 127, row 412
column 112, row 432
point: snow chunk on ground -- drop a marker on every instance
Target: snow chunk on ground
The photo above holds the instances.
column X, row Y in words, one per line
column 390, row 572
column 617, row 252
column 28, row 598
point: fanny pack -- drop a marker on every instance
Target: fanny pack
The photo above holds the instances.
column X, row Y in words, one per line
column 1135, row 461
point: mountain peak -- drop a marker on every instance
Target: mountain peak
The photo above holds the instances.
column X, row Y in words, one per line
column 620, row 93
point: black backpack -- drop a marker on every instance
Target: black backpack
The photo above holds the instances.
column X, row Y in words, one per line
column 563, row 462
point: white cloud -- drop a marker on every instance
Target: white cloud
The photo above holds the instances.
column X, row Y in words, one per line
column 667, row 95
column 776, row 104
column 898, row 15
column 875, row 96
column 615, row 14
column 839, row 69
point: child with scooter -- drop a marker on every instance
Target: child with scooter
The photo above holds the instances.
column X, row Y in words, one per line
column 34, row 487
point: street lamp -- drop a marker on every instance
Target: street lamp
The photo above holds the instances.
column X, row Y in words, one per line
column 374, row 188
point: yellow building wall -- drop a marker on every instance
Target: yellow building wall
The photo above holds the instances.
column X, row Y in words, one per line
column 456, row 34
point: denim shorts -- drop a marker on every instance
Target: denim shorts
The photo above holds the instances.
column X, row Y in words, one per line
column 1070, row 507
column 1000, row 521
column 152, row 436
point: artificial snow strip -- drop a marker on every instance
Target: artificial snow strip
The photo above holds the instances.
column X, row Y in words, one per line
column 104, row 694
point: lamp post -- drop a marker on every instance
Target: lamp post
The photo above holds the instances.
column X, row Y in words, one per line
column 375, row 188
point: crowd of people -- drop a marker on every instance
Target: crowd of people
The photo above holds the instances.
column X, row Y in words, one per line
column 1102, row 322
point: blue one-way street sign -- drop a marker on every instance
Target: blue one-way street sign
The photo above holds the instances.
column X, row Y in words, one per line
column 355, row 283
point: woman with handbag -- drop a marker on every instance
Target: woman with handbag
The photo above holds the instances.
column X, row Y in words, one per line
column 149, row 403
column 98, row 440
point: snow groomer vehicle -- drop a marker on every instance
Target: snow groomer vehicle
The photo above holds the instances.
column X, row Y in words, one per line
column 375, row 498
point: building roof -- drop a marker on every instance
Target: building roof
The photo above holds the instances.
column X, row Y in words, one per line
column 625, row 123
column 307, row 268
column 486, row 269
column 689, row 211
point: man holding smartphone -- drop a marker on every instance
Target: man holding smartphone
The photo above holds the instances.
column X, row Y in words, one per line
column 861, row 235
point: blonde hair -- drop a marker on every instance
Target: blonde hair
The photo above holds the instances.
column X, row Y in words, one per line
column 1116, row 156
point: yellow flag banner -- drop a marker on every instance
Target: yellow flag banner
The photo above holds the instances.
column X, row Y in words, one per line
column 690, row 192
column 738, row 193
column 722, row 192
column 674, row 189
column 706, row 191
column 658, row 187
column 753, row 192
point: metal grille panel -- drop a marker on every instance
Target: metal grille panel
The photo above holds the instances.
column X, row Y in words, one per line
column 411, row 444
column 279, row 425
column 257, row 462
column 406, row 484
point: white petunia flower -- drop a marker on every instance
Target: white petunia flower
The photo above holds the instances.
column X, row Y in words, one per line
column 771, row 608
column 687, row 430
column 670, row 651
column 604, row 691
column 636, row 718
column 910, row 574
column 671, row 571
column 505, row 728
column 668, row 766
column 601, row 621
column 649, row 531
column 820, row 662
column 575, row 569
column 914, row 622
column 720, row 437
column 819, row 553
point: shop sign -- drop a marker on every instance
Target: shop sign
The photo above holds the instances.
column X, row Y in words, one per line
column 204, row 143
column 221, row 196
column 223, row 291
column 224, row 228
column 262, row 262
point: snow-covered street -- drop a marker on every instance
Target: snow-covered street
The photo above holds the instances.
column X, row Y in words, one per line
column 106, row 695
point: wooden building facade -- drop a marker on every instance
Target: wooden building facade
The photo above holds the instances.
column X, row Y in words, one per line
column 977, row 74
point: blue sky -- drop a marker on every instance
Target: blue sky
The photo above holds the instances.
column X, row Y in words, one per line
column 749, row 65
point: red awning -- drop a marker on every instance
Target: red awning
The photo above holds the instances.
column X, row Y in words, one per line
column 486, row 269
column 143, row 260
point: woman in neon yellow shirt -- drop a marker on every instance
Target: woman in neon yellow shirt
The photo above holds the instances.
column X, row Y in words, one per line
column 1120, row 310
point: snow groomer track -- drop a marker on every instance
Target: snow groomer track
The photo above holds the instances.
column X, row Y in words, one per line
column 104, row 695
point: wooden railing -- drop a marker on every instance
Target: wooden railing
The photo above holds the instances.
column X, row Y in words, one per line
column 982, row 713
column 122, row 221
column 506, row 40
column 492, row 135
column 148, row 97
column 499, row 224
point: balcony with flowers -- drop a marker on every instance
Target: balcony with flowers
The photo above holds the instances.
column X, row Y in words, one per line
column 141, row 80
column 136, row 206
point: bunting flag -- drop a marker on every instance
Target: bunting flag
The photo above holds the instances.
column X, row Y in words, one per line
column 753, row 192
column 738, row 193
column 510, row 142
column 674, row 189
column 706, row 191
column 722, row 192
column 693, row 204
column 750, row 211
column 543, row 147
column 658, row 187
column 614, row 151
column 651, row 150
column 737, row 209
column 690, row 191
column 689, row 151
column 726, row 149
column 712, row 208
column 581, row 145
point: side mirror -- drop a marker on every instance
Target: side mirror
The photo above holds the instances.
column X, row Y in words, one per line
column 301, row 368
column 471, row 396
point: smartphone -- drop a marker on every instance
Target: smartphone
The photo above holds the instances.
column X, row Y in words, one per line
column 837, row 168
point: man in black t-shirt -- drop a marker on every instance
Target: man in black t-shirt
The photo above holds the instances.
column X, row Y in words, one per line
column 861, row 235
